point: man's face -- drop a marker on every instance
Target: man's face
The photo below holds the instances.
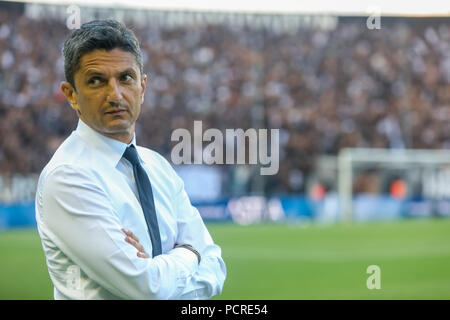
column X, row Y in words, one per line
column 109, row 92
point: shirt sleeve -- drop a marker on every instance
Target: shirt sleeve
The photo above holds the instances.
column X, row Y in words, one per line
column 82, row 222
column 209, row 279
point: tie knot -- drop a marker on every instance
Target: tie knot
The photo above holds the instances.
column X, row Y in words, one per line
column 131, row 155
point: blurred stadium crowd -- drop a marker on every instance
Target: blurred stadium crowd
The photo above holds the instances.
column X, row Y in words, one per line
column 325, row 89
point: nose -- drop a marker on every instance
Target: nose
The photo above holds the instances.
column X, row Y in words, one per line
column 114, row 95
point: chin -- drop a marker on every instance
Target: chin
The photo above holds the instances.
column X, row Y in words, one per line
column 118, row 125
column 116, row 130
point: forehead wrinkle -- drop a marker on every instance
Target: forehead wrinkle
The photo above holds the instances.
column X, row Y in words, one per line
column 102, row 60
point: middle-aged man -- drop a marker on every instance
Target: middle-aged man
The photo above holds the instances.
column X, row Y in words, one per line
column 114, row 218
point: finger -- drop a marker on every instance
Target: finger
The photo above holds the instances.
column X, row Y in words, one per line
column 142, row 255
column 127, row 232
column 134, row 236
column 130, row 234
column 135, row 244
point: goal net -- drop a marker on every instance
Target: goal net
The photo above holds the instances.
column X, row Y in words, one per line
column 406, row 182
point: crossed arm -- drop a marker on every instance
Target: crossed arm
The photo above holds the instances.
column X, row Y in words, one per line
column 132, row 239
column 77, row 217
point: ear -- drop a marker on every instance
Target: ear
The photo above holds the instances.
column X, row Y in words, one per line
column 71, row 95
column 143, row 86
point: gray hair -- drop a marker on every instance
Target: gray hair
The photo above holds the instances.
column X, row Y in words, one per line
column 94, row 35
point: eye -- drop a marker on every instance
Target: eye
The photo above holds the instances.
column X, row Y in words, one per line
column 95, row 81
column 127, row 77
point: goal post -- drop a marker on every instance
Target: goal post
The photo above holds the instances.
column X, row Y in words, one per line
column 384, row 159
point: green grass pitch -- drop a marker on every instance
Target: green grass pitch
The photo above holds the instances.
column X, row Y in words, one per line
column 285, row 261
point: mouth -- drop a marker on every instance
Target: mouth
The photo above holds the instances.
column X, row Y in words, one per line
column 116, row 112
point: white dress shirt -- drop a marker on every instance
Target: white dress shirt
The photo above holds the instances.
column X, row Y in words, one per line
column 87, row 193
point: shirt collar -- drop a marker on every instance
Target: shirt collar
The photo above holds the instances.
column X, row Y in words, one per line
column 112, row 149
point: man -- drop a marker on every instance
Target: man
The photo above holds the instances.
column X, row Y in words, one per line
column 114, row 218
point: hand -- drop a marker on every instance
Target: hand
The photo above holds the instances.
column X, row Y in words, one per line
column 134, row 241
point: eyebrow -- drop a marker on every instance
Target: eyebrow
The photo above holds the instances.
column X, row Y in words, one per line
column 90, row 73
column 93, row 73
column 128, row 70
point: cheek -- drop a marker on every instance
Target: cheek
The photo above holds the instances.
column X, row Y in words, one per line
column 139, row 112
column 138, row 107
column 136, row 102
column 91, row 104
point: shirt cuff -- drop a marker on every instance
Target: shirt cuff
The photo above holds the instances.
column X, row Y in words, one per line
column 187, row 258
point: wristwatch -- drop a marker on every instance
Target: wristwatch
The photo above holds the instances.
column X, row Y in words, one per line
column 189, row 247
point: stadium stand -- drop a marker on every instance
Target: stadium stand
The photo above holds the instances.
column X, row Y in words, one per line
column 325, row 89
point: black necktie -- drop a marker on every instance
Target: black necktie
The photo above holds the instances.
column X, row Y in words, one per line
column 146, row 196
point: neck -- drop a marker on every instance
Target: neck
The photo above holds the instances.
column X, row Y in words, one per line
column 125, row 136
column 122, row 137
